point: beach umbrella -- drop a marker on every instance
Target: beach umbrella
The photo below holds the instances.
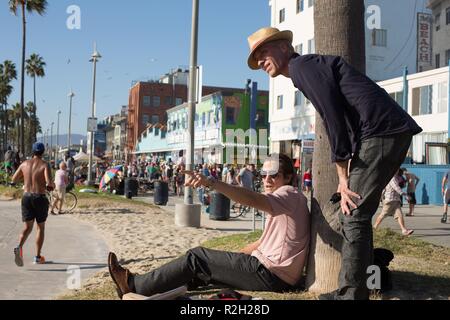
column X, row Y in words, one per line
column 109, row 174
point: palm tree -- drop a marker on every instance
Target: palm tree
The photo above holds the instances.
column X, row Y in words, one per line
column 15, row 116
column 38, row 6
column 339, row 30
column 7, row 74
column 35, row 68
column 30, row 116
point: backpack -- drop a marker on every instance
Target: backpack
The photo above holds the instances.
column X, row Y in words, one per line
column 382, row 258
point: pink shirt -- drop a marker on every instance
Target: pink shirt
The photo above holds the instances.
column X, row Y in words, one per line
column 285, row 240
column 60, row 181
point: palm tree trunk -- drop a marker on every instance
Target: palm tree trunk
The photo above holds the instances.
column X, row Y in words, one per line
column 33, row 114
column 6, row 126
column 22, row 85
column 339, row 30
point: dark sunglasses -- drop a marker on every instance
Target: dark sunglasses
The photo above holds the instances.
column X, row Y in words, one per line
column 264, row 174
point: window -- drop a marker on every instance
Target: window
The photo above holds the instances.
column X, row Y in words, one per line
column 203, row 119
column 145, row 119
column 178, row 101
column 440, row 95
column 398, row 97
column 299, row 48
column 447, row 16
column 300, row 5
column 310, row 3
column 156, row 131
column 282, row 15
column 156, row 101
column 168, row 101
column 311, row 46
column 437, row 21
column 438, row 60
column 261, row 117
column 280, row 102
column 230, row 115
column 447, row 57
column 422, row 100
column 298, row 98
column 147, row 101
column 155, row 119
column 379, row 37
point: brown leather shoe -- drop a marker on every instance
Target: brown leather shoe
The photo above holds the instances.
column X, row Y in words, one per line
column 119, row 275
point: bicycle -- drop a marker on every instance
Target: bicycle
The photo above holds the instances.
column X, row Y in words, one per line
column 70, row 200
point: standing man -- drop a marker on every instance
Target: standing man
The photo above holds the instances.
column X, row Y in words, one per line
column 364, row 125
column 411, row 183
column 246, row 177
column 36, row 175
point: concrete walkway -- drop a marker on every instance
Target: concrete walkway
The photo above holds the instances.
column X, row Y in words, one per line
column 426, row 221
column 68, row 242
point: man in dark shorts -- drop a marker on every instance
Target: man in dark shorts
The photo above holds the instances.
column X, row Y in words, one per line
column 36, row 175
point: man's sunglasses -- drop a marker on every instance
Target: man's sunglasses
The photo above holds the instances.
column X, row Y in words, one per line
column 273, row 176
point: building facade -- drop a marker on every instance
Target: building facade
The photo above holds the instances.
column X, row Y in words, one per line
column 441, row 32
column 391, row 44
column 222, row 120
column 149, row 102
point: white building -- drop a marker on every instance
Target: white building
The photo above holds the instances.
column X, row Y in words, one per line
column 391, row 44
column 441, row 31
column 428, row 103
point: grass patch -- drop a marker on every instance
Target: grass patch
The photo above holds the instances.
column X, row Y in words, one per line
column 11, row 192
column 17, row 193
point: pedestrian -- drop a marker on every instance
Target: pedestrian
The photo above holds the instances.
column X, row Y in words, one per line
column 61, row 183
column 274, row 262
column 445, row 195
column 307, row 180
column 411, row 184
column 9, row 160
column 363, row 124
column 36, row 174
column 391, row 205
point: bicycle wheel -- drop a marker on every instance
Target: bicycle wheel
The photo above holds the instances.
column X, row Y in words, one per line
column 235, row 211
column 70, row 202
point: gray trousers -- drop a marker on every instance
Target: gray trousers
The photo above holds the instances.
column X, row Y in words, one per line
column 371, row 169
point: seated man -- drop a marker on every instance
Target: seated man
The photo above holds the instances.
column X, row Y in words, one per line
column 273, row 263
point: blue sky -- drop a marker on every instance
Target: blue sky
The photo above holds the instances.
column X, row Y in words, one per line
column 141, row 39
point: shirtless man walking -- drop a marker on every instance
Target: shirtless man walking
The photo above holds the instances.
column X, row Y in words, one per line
column 37, row 179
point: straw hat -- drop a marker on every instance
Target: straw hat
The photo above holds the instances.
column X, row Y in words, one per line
column 262, row 36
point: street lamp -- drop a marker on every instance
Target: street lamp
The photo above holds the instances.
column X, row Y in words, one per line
column 51, row 142
column 71, row 95
column 188, row 213
column 95, row 57
column 57, row 140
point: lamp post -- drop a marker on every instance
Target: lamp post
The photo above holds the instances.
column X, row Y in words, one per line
column 71, row 95
column 95, row 57
column 188, row 213
column 51, row 142
column 57, row 140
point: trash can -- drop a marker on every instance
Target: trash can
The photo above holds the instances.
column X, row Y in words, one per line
column 219, row 208
column 131, row 188
column 161, row 193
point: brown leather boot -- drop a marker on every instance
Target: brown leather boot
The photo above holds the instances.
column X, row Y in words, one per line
column 119, row 275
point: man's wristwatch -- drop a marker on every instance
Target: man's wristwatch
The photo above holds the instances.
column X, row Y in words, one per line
column 212, row 181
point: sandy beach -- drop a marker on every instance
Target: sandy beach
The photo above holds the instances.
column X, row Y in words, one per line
column 143, row 237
